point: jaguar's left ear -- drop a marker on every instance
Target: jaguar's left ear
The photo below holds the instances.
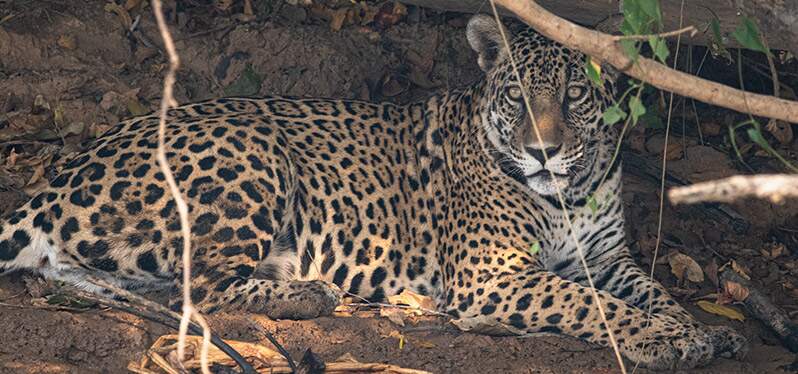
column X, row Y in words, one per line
column 485, row 38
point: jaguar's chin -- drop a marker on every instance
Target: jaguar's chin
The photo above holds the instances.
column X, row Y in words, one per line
column 547, row 183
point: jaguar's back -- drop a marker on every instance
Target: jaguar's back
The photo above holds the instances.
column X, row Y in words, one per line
column 444, row 197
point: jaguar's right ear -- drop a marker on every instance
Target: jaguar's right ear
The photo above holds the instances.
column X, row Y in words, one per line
column 485, row 38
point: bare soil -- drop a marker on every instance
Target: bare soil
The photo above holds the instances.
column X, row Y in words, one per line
column 68, row 72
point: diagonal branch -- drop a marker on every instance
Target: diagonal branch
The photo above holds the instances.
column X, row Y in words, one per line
column 775, row 187
column 606, row 48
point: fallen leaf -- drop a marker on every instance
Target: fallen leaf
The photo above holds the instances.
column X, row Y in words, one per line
column 675, row 151
column 38, row 173
column 395, row 315
column 223, row 4
column 120, row 11
column 67, row 42
column 135, row 107
column 710, row 128
column 739, row 269
column 40, row 105
column 681, row 292
column 720, row 310
column 424, row 344
column 130, row 4
column 393, row 85
column 12, row 158
column 684, row 266
column 413, row 300
column 485, row 325
column 337, row 18
column 389, row 14
column 736, row 291
column 780, row 130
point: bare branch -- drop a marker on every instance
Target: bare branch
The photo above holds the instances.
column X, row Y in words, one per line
column 168, row 101
column 606, row 48
column 774, row 187
column 690, row 30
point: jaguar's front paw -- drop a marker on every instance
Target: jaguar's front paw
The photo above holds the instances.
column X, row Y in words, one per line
column 680, row 346
column 727, row 342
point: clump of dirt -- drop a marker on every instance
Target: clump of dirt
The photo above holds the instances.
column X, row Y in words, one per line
column 68, row 73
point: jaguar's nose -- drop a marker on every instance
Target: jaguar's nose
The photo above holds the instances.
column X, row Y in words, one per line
column 542, row 154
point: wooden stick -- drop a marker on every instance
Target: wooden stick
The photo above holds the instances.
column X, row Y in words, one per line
column 774, row 187
column 606, row 48
column 760, row 306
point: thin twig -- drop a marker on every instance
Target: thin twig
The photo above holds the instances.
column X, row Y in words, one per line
column 560, row 198
column 691, row 29
column 398, row 306
column 168, row 101
column 155, row 312
column 774, row 187
column 661, row 209
column 605, row 47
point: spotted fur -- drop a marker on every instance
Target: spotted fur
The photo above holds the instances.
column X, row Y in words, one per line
column 443, row 197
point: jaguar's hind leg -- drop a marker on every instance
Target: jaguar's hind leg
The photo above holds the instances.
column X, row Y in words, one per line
column 277, row 299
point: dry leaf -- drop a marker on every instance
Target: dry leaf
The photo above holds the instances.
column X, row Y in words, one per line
column 395, row 315
column 739, row 269
column 136, row 108
column 721, row 310
column 681, row 292
column 424, row 344
column 67, row 42
column 710, row 128
column 684, row 266
column 735, row 291
column 130, row 4
column 12, row 158
column 223, row 5
column 337, row 18
column 780, row 130
column 485, row 325
column 675, row 151
column 413, row 300
column 120, row 11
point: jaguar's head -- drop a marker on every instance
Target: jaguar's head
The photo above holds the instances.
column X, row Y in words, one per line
column 568, row 149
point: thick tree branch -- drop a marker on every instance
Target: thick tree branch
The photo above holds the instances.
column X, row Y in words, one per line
column 605, row 47
column 775, row 187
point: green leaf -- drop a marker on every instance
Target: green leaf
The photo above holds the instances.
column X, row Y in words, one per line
column 613, row 114
column 660, row 48
column 247, row 84
column 651, row 9
column 593, row 72
column 755, row 134
column 535, row 248
column 717, row 45
column 748, row 35
column 634, row 18
column 592, row 203
column 636, row 109
column 630, row 48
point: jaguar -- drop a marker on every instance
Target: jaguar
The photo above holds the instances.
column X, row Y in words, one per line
column 478, row 197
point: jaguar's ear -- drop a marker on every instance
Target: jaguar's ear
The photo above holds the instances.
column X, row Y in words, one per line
column 485, row 38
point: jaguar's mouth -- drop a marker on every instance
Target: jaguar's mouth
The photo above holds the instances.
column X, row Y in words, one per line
column 546, row 174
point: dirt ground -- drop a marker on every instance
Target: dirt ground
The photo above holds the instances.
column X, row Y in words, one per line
column 69, row 72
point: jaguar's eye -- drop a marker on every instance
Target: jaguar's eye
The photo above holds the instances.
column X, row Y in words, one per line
column 514, row 93
column 575, row 92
